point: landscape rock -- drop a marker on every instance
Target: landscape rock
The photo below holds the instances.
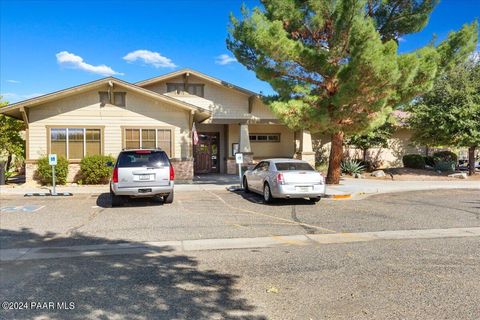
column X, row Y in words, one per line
column 378, row 173
column 358, row 176
column 460, row 175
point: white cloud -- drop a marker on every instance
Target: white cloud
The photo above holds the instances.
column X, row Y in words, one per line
column 224, row 59
column 73, row 61
column 13, row 81
column 150, row 57
column 12, row 97
column 402, row 39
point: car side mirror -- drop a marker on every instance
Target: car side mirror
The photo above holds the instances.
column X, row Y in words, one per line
column 109, row 164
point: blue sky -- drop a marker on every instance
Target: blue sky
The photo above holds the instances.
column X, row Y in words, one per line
column 51, row 45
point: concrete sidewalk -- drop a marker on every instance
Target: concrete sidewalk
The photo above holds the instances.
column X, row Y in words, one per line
column 350, row 187
column 347, row 188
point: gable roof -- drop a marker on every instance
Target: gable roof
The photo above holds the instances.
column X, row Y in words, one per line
column 198, row 74
column 14, row 108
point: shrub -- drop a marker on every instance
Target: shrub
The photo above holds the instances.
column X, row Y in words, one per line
column 429, row 161
column 352, row 167
column 414, row 161
column 44, row 171
column 445, row 160
column 447, row 156
column 93, row 169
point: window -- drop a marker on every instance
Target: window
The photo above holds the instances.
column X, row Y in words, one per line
column 262, row 166
column 75, row 143
column 93, row 142
column 164, row 140
column 149, row 139
column 284, row 166
column 119, row 99
column 265, row 137
column 132, row 138
column 192, row 88
column 58, row 142
column 131, row 159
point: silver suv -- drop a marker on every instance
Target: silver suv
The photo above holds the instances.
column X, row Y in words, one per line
column 142, row 173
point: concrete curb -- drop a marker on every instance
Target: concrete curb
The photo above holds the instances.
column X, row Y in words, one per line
column 169, row 247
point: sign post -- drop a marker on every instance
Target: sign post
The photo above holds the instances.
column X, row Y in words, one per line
column 52, row 160
column 239, row 161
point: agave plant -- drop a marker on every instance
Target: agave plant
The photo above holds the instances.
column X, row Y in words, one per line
column 352, row 167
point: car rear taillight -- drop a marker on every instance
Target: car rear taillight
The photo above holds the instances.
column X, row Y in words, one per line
column 280, row 179
column 115, row 175
column 172, row 173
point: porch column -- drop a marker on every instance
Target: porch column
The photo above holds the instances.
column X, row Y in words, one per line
column 306, row 150
column 245, row 143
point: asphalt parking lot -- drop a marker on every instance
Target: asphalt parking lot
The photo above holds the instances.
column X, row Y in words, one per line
column 413, row 278
column 211, row 214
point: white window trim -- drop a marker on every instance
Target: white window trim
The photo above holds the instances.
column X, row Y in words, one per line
column 67, row 140
column 156, row 137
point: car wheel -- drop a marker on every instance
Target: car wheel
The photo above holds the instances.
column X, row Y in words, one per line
column 116, row 200
column 315, row 200
column 245, row 185
column 267, row 194
column 169, row 198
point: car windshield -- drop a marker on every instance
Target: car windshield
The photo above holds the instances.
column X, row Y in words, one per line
column 143, row 158
column 284, row 166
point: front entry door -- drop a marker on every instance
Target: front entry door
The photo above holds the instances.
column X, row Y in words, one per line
column 206, row 153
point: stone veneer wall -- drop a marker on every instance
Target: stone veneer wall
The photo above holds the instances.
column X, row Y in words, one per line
column 183, row 169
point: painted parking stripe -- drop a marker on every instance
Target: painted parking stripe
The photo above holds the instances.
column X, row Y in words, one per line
column 28, row 208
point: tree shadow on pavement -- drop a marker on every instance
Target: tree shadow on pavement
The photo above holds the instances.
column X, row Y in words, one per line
column 153, row 284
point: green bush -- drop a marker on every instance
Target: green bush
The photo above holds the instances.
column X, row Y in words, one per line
column 352, row 167
column 429, row 161
column 414, row 161
column 44, row 171
column 446, row 156
column 445, row 161
column 93, row 169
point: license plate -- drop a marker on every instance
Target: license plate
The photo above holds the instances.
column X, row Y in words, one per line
column 304, row 189
column 144, row 177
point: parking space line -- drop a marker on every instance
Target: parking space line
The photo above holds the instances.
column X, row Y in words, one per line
column 270, row 216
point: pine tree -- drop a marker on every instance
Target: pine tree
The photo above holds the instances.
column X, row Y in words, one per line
column 334, row 64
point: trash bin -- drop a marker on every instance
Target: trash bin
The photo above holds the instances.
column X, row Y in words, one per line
column 2, row 173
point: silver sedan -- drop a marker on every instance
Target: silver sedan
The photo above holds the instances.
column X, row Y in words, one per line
column 284, row 178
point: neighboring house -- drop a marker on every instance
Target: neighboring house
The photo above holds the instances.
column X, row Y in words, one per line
column 108, row 115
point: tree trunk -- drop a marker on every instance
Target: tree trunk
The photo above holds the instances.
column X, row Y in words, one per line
column 365, row 155
column 9, row 162
column 335, row 159
column 471, row 160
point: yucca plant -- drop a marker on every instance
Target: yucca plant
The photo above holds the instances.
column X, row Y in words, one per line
column 352, row 167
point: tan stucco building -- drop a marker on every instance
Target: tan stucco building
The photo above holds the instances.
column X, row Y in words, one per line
column 108, row 115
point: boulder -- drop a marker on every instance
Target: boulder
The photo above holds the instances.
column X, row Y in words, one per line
column 460, row 175
column 378, row 173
